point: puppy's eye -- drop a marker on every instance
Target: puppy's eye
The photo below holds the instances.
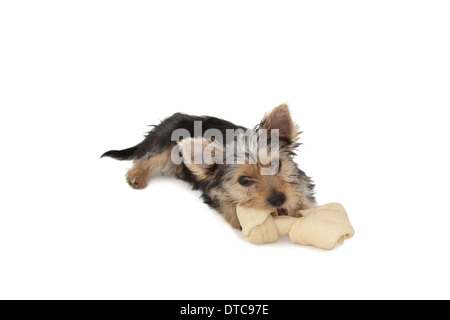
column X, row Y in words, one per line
column 245, row 181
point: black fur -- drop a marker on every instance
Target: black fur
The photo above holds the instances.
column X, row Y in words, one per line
column 159, row 138
column 126, row 154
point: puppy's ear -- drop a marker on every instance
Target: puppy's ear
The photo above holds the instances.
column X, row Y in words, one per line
column 201, row 156
column 280, row 118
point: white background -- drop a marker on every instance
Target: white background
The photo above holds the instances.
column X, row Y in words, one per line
column 368, row 82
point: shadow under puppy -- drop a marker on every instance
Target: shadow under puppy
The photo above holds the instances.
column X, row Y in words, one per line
column 225, row 184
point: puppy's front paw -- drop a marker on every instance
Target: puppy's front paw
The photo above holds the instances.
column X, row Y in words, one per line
column 136, row 179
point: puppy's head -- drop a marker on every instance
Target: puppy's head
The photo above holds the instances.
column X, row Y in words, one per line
column 253, row 170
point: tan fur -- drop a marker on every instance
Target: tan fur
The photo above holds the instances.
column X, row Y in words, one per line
column 189, row 147
column 137, row 177
column 228, row 211
column 281, row 114
column 233, row 194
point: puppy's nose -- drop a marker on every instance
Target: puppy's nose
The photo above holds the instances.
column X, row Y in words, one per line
column 277, row 199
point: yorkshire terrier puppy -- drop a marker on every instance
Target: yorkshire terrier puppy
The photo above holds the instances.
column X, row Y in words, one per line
column 230, row 172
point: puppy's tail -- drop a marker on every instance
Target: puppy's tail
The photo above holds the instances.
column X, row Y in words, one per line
column 126, row 154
